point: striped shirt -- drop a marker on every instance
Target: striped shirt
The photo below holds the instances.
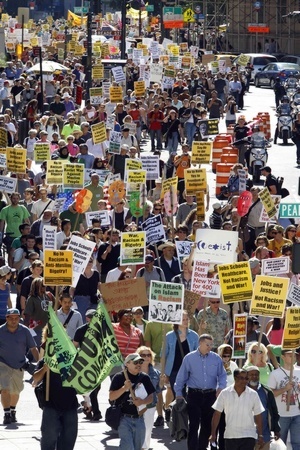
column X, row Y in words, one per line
column 127, row 343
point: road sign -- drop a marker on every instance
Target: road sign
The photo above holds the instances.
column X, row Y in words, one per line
column 172, row 17
column 289, row 208
column 258, row 28
column 188, row 15
column 81, row 10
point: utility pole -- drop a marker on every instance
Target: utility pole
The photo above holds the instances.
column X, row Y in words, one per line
column 123, row 30
column 89, row 54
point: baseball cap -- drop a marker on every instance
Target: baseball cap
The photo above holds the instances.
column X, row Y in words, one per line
column 266, row 168
column 90, row 313
column 136, row 309
column 133, row 357
column 5, row 270
column 254, row 262
column 13, row 312
column 149, row 258
column 217, row 205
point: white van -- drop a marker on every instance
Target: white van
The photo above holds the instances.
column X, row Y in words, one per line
column 257, row 61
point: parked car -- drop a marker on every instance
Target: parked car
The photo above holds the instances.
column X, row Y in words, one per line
column 290, row 59
column 267, row 76
column 257, row 61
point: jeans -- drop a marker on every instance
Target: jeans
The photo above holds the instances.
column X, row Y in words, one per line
column 292, row 425
column 131, row 433
column 156, row 134
column 173, row 142
column 190, row 129
column 59, row 429
column 83, row 304
column 200, row 414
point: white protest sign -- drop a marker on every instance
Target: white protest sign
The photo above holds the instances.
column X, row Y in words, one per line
column 167, row 82
column 59, row 203
column 216, row 245
column 275, row 266
column 204, row 279
column 183, row 249
column 264, row 216
column 105, row 88
column 49, row 237
column 294, row 294
column 82, row 250
column 118, row 74
column 101, row 172
column 154, row 229
column 102, row 215
column 166, row 302
column 150, row 163
column 2, row 160
column 156, row 72
column 8, row 184
column 242, row 180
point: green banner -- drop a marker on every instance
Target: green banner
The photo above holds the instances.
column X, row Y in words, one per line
column 98, row 354
column 60, row 350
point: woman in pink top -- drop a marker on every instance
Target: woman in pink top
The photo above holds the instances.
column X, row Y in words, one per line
column 73, row 148
column 274, row 330
column 128, row 337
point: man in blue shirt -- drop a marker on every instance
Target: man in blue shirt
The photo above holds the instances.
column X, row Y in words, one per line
column 203, row 373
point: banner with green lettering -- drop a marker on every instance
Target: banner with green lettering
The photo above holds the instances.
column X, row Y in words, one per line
column 98, row 354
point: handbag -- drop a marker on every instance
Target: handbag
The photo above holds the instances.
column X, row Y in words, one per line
column 113, row 416
column 40, row 393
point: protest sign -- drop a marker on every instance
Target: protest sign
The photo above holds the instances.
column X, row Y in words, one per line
column 200, row 205
column 8, row 184
column 54, row 174
column 274, row 266
column 98, row 354
column 242, row 173
column 73, row 176
column 263, row 213
column 166, row 302
column 95, row 97
column 102, row 215
column 98, row 72
column 239, row 335
column 204, row 281
column 195, row 180
column 116, row 94
column 213, row 126
column 291, row 333
column 124, row 294
column 82, row 251
column 133, row 248
column 236, row 281
column 101, row 172
column 156, row 72
column 150, row 163
column 41, row 152
column 131, row 164
column 16, row 160
column 2, row 157
column 201, row 152
column 98, row 132
column 154, row 229
column 243, row 60
column 268, row 202
column 49, row 237
column 294, row 294
column 139, row 88
column 191, row 302
column 118, row 74
column 269, row 296
column 134, row 179
column 3, row 137
column 59, row 204
column 58, row 267
column 183, row 249
column 166, row 185
column 115, row 142
column 216, row 245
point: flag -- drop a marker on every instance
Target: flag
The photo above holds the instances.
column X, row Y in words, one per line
column 98, row 354
column 60, row 350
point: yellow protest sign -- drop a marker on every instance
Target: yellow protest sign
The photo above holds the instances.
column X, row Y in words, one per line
column 3, row 137
column 201, row 152
column 96, row 95
column 269, row 296
column 174, row 49
column 183, row 47
column 235, row 281
column 268, row 202
column 41, row 152
column 115, row 94
column 58, row 267
column 16, row 160
column 71, row 46
column 243, row 60
column 164, row 59
column 134, row 179
column 34, row 42
column 133, row 247
column 291, row 333
column 79, row 49
column 186, row 62
column 73, row 176
column 189, row 15
column 170, row 72
column 54, row 174
column 166, row 185
column 200, row 205
column 143, row 47
column 139, row 88
column 195, row 180
column 98, row 71
column 132, row 164
column 98, row 132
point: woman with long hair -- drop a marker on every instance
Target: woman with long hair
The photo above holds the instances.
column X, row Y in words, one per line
column 274, row 330
column 290, row 233
column 31, row 112
column 51, row 127
column 172, row 127
column 258, row 356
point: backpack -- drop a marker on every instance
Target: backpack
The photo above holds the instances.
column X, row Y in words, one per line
column 158, row 270
column 280, row 190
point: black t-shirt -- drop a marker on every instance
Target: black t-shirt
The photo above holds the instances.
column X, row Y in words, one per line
column 125, row 400
column 111, row 260
column 178, row 358
column 271, row 181
column 79, row 333
column 88, row 286
column 241, row 132
column 57, row 108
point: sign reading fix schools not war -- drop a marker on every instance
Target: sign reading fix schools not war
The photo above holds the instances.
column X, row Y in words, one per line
column 82, row 250
column 8, row 184
column 166, row 302
column 291, row 333
column 124, row 294
column 54, row 174
column 58, row 267
column 269, row 296
column 132, row 248
column 201, row 152
column 235, row 281
column 73, row 176
column 154, row 229
column 16, row 160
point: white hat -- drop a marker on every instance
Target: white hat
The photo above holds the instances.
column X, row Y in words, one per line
column 216, row 205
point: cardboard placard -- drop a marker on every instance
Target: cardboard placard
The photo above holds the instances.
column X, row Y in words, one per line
column 41, row 152
column 8, row 184
column 201, row 152
column 55, row 170
column 291, row 333
column 98, row 132
column 124, row 294
column 49, row 237
column 195, row 180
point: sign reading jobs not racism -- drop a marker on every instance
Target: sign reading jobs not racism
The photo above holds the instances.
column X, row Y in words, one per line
column 291, row 333
column 58, row 267
column 235, row 281
column 269, row 296
column 124, row 294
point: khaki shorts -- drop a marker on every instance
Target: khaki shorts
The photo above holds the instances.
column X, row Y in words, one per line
column 11, row 379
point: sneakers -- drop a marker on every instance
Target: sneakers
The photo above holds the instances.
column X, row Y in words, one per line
column 159, row 421
column 13, row 417
column 167, row 415
column 7, row 419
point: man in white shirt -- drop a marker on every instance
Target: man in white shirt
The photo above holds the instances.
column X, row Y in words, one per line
column 243, row 410
column 70, row 318
column 40, row 206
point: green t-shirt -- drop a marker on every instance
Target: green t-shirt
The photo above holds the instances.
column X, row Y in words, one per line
column 153, row 334
column 14, row 216
column 73, row 218
column 97, row 192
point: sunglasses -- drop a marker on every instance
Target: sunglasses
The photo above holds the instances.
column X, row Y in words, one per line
column 214, row 303
column 255, row 351
column 145, row 355
column 137, row 362
column 226, row 356
column 292, row 231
